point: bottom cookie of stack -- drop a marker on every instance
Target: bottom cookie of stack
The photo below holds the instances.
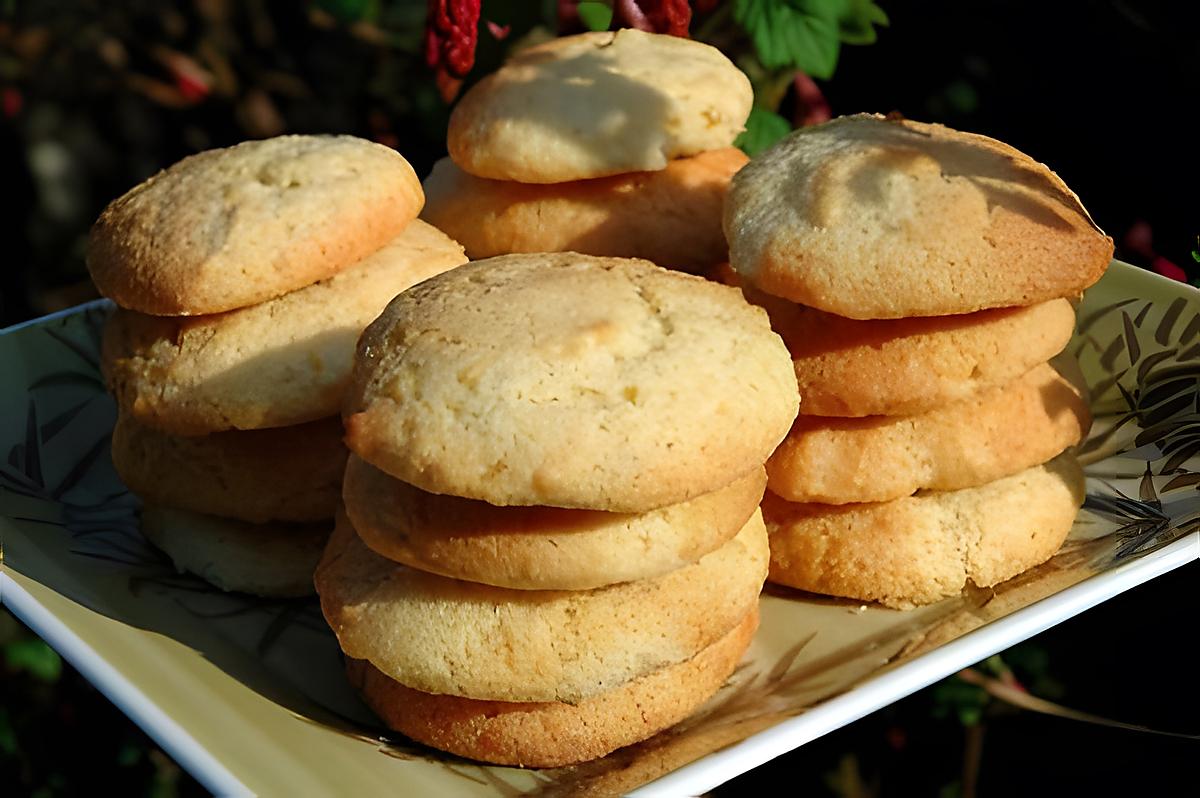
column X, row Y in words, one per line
column 553, row 733
column 926, row 547
column 539, row 677
column 245, row 510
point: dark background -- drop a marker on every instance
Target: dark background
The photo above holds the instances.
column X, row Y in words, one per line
column 95, row 96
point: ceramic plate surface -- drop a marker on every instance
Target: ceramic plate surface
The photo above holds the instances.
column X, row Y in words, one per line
column 249, row 694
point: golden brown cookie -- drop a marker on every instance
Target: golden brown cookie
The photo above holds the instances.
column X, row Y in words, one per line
column 993, row 434
column 552, row 734
column 280, row 363
column 273, row 560
column 233, row 227
column 873, row 218
column 539, row 548
column 852, row 367
column 671, row 217
column 598, row 104
column 442, row 635
column 281, row 474
column 570, row 381
column 922, row 548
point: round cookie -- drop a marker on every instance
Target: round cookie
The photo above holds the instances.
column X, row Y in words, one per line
column 598, row 104
column 282, row 474
column 993, row 434
column 671, row 217
column 442, row 635
column 233, row 227
column 539, row 548
column 276, row 364
column 551, row 734
column 569, row 381
column 923, row 548
column 874, row 218
column 273, row 560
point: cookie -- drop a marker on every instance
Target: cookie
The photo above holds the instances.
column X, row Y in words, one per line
column 277, row 364
column 922, row 548
column 282, row 474
column 440, row 635
column 233, row 227
column 671, row 216
column 569, row 381
column 553, row 734
column 873, row 218
column 993, row 434
column 539, row 548
column 271, row 560
column 598, row 104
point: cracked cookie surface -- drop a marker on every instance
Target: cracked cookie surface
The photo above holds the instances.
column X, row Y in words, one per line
column 873, row 218
column 597, row 104
column 570, row 381
column 233, row 227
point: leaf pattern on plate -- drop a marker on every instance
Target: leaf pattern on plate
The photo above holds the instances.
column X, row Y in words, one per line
column 58, row 492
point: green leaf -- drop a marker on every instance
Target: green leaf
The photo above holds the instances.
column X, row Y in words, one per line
column 856, row 23
column 34, row 657
column 802, row 34
column 763, row 129
column 595, row 15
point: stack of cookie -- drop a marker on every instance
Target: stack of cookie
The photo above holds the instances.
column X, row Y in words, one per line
column 551, row 545
column 919, row 277
column 612, row 143
column 243, row 278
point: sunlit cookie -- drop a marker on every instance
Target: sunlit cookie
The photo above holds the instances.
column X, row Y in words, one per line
column 926, row 547
column 993, row 434
column 275, row 559
column 851, row 367
column 873, row 218
column 442, row 635
column 233, row 227
column 552, row 734
column 570, row 381
column 283, row 362
column 540, row 548
column 671, row 217
column 279, row 474
column 598, row 104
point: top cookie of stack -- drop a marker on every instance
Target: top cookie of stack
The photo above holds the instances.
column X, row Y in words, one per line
column 920, row 277
column 244, row 277
column 609, row 143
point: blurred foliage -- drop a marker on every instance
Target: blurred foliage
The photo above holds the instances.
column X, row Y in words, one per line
column 59, row 736
column 96, row 96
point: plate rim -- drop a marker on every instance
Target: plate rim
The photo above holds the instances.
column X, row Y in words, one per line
column 876, row 692
column 708, row 771
column 161, row 727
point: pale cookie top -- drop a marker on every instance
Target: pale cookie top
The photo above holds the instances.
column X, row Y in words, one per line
column 877, row 219
column 285, row 361
column 598, row 104
column 442, row 635
column 570, row 381
column 232, row 227
column 671, row 217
